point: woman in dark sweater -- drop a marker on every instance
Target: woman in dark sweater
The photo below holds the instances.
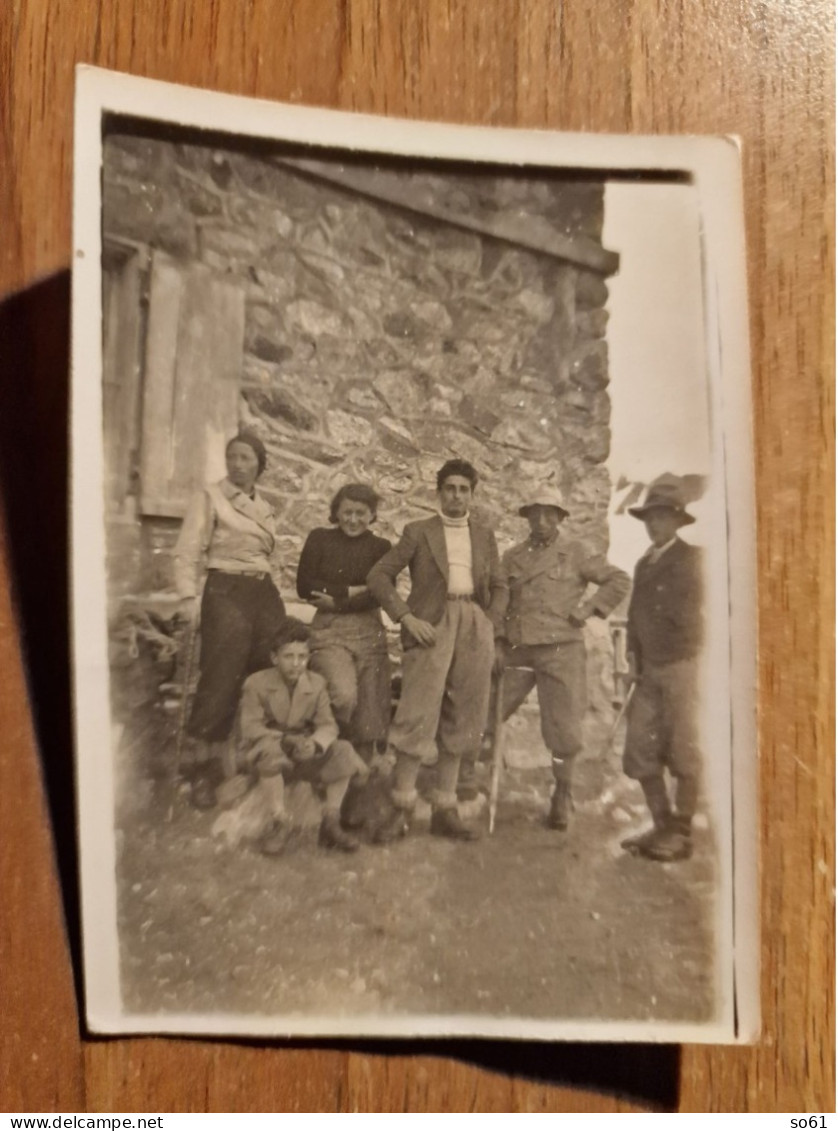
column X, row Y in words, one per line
column 348, row 642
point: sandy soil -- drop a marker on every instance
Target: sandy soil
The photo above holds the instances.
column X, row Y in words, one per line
column 527, row 923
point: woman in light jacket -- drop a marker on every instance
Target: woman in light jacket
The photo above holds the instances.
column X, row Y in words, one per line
column 228, row 534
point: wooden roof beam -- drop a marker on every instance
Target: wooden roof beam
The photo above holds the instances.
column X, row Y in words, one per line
column 533, row 233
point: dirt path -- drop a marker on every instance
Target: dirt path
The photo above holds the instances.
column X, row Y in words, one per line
column 528, row 923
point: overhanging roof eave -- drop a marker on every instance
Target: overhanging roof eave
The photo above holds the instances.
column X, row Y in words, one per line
column 390, row 188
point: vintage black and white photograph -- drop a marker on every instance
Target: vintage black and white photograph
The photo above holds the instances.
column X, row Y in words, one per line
column 413, row 560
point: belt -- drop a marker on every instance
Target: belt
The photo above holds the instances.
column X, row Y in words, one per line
column 460, row 597
column 258, row 574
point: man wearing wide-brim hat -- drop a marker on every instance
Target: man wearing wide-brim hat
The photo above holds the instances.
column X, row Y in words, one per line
column 665, row 632
column 545, row 605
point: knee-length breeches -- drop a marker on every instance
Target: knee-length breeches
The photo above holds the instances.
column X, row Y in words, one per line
column 350, row 651
column 558, row 672
column 662, row 730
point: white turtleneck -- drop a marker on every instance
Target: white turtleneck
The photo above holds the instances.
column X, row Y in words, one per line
column 458, row 549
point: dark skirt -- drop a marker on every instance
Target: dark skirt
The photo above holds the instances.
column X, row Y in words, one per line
column 239, row 617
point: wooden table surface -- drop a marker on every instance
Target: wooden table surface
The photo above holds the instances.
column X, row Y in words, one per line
column 761, row 69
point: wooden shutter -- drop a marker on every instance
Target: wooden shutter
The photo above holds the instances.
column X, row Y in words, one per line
column 121, row 334
column 194, row 350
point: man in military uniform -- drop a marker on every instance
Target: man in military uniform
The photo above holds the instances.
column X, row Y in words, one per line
column 546, row 580
column 664, row 640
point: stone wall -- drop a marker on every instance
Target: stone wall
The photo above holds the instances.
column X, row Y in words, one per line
column 380, row 342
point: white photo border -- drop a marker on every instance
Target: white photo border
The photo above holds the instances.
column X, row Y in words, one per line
column 713, row 164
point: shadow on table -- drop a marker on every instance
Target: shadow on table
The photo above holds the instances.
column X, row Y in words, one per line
column 647, row 1074
column 35, row 360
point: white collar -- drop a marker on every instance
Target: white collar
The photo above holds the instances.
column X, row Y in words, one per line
column 654, row 553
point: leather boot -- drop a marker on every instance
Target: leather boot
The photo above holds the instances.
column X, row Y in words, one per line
column 446, row 822
column 674, row 842
column 639, row 841
column 206, row 777
column 332, row 835
column 561, row 804
column 353, row 811
column 467, row 780
column 657, row 799
column 394, row 826
column 274, row 842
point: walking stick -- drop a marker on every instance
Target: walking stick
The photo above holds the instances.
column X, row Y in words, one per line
column 612, row 734
column 192, row 637
column 497, row 751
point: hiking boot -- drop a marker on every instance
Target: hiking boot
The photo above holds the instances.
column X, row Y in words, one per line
column 332, row 835
column 446, row 822
column 640, row 841
column 561, row 804
column 671, row 844
column 203, row 794
column 354, row 810
column 275, row 842
column 467, row 780
column 394, row 826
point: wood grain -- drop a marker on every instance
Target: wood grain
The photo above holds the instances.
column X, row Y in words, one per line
column 760, row 70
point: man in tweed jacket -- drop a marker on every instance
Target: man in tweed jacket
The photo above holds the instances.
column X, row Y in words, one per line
column 665, row 635
column 448, row 641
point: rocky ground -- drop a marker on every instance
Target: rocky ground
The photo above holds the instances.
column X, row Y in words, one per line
column 525, row 923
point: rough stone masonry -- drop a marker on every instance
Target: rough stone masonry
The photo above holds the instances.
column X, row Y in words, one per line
column 394, row 317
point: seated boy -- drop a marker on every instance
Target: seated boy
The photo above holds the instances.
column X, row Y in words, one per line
column 289, row 734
